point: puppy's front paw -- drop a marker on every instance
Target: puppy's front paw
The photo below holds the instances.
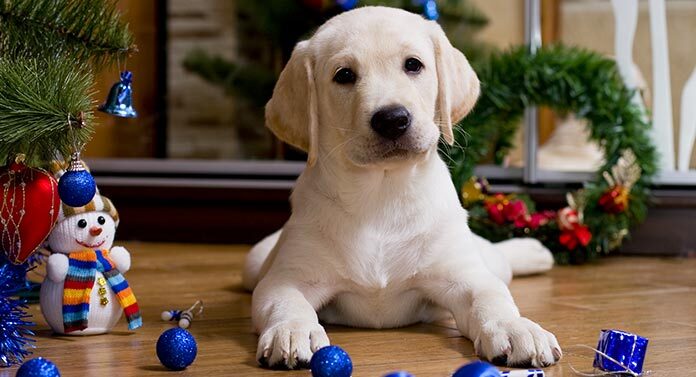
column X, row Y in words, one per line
column 290, row 344
column 517, row 343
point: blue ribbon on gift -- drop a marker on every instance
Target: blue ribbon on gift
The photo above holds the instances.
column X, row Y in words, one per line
column 627, row 351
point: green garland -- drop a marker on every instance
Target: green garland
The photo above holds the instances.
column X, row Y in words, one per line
column 569, row 80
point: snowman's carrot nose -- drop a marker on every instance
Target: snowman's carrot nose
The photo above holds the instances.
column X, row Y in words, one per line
column 95, row 231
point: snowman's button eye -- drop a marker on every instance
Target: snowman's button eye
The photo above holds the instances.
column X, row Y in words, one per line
column 82, row 223
column 101, row 220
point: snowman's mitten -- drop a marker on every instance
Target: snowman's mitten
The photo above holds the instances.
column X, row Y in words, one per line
column 121, row 257
column 57, row 267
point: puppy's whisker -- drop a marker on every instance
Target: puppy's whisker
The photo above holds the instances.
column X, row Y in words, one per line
column 341, row 145
column 445, row 154
column 343, row 129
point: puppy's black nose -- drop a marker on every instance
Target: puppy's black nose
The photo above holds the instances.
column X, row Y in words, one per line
column 391, row 122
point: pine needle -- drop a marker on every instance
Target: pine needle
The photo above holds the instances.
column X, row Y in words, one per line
column 48, row 51
column 37, row 100
column 82, row 30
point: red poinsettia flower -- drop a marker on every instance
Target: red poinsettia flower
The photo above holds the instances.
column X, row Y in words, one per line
column 502, row 208
column 578, row 234
column 537, row 219
column 516, row 212
column 495, row 212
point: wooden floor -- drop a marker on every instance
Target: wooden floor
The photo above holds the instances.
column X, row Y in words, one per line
column 655, row 298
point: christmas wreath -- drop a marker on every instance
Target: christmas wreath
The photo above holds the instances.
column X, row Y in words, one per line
column 568, row 80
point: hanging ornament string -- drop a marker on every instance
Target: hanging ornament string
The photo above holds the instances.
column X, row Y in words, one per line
column 11, row 237
column 76, row 186
column 625, row 370
column 73, row 126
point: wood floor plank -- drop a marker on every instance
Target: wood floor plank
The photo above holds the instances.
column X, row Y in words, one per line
column 653, row 297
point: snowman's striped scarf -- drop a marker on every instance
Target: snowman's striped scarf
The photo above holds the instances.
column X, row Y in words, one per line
column 82, row 269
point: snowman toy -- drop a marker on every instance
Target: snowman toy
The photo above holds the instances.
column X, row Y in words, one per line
column 85, row 292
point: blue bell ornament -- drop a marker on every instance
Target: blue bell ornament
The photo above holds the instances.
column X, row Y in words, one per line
column 120, row 99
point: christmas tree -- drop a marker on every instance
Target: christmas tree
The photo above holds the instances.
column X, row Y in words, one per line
column 49, row 52
column 272, row 28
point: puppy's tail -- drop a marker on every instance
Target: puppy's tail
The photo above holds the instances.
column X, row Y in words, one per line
column 526, row 256
column 255, row 260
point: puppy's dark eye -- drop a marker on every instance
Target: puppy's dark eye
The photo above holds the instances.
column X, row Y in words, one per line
column 101, row 220
column 82, row 223
column 344, row 76
column 413, row 65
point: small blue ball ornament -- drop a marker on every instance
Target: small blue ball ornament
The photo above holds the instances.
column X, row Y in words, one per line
column 400, row 373
column 176, row 348
column 38, row 367
column 331, row 361
column 76, row 186
column 347, row 4
column 430, row 10
column 477, row 369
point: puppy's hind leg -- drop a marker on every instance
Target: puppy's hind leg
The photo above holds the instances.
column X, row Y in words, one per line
column 256, row 258
column 526, row 256
column 494, row 260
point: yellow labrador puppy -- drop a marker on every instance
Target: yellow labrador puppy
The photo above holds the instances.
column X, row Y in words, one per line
column 377, row 237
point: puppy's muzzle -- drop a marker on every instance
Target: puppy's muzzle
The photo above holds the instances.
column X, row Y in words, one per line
column 391, row 122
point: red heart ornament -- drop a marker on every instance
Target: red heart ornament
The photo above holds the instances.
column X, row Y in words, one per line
column 29, row 208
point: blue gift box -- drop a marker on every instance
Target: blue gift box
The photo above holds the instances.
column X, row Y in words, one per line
column 626, row 348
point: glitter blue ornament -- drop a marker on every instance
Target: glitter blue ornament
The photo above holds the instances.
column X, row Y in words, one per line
column 331, row 361
column 400, row 373
column 76, row 186
column 477, row 369
column 119, row 102
column 347, row 4
column 176, row 348
column 626, row 348
column 14, row 326
column 38, row 367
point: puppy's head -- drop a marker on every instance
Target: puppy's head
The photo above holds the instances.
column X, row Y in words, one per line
column 374, row 86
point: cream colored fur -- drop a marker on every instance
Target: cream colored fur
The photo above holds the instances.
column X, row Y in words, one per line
column 377, row 236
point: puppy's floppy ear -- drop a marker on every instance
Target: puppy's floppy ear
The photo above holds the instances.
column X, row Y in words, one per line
column 292, row 111
column 457, row 83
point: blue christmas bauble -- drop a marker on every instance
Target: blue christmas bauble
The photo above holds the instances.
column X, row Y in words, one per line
column 477, row 369
column 76, row 188
column 331, row 361
column 347, row 4
column 176, row 348
column 430, row 10
column 38, row 367
column 400, row 373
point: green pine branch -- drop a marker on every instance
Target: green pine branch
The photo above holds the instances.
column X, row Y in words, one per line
column 48, row 52
column 82, row 30
column 39, row 102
